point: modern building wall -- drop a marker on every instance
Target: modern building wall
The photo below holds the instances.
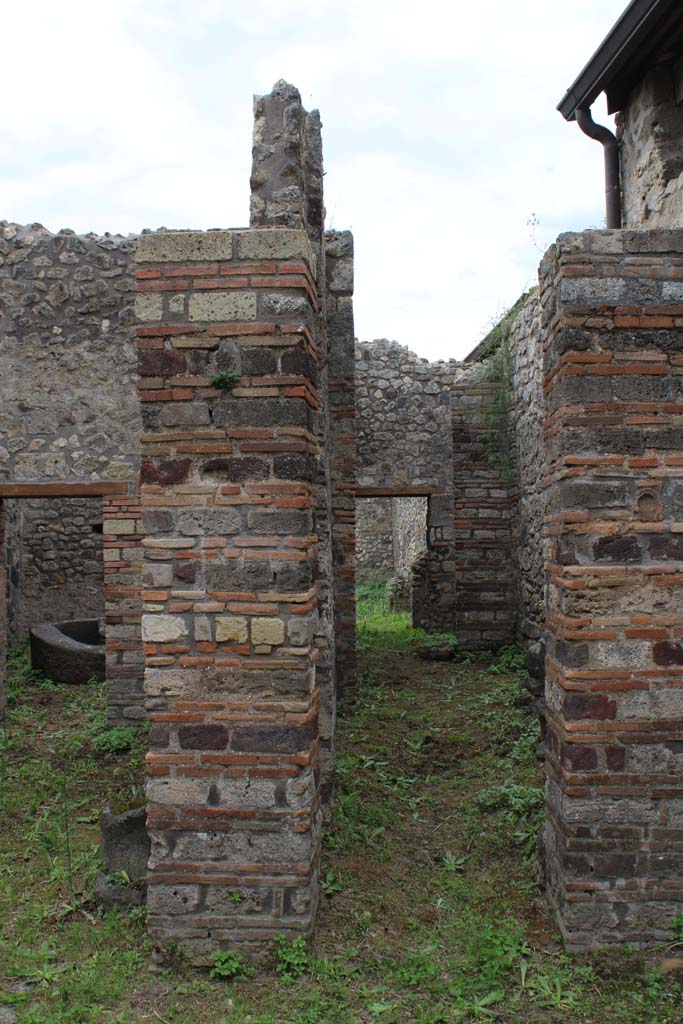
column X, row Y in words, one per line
column 650, row 132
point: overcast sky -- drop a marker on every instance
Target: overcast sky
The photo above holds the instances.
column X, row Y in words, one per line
column 440, row 132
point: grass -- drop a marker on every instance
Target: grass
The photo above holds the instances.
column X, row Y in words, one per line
column 430, row 908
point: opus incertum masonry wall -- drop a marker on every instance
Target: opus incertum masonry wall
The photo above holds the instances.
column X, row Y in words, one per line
column 612, row 313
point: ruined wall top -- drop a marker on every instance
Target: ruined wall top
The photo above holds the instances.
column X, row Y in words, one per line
column 287, row 166
column 403, row 407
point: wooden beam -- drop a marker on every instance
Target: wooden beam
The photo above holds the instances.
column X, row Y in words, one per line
column 62, row 489
column 398, row 492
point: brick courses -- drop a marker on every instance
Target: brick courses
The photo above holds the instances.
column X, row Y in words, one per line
column 245, row 512
column 230, row 557
column 342, row 403
column 614, row 398
column 485, row 503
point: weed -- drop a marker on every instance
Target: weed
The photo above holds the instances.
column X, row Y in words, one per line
column 330, row 883
column 118, row 740
column 520, row 807
column 451, row 862
column 229, row 966
column 291, row 957
column 67, row 842
column 225, row 380
column 509, row 659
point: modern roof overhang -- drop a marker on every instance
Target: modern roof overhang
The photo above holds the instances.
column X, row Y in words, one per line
column 648, row 33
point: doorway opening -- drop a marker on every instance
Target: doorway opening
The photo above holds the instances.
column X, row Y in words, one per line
column 392, row 542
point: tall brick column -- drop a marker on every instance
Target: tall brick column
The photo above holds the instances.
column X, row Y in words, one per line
column 3, row 611
column 229, row 612
column 485, row 606
column 342, row 399
column 122, row 551
column 613, row 339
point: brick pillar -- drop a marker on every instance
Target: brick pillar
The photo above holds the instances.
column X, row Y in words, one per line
column 342, row 399
column 613, row 362
column 484, row 509
column 3, row 611
column 229, row 613
column 122, row 552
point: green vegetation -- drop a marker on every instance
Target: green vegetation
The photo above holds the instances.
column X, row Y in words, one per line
column 229, row 966
column 114, row 741
column 291, row 957
column 382, row 632
column 225, row 380
column 494, row 369
column 430, row 909
column 500, row 332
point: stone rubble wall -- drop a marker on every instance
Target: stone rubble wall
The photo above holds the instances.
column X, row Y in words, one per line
column 527, row 416
column 70, row 419
column 390, row 534
column 62, row 563
column 612, row 321
column 68, row 401
column 650, row 132
column 403, row 417
column 374, row 539
column 404, row 448
column 409, row 521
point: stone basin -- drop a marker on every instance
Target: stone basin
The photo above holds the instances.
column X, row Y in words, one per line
column 68, row 652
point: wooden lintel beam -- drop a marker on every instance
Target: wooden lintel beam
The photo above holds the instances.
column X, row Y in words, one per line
column 61, row 489
column 398, row 492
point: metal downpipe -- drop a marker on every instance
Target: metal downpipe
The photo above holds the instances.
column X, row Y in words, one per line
column 585, row 121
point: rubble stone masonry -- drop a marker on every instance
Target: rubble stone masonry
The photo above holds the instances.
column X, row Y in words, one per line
column 374, row 538
column 70, row 418
column 60, row 543
column 527, row 417
column 612, row 316
column 404, row 443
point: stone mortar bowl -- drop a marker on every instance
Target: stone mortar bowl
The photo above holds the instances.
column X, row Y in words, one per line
column 68, row 652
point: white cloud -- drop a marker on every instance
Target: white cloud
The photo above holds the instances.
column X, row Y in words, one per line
column 440, row 133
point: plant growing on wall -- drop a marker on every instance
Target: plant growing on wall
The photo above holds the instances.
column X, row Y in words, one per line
column 225, row 380
column 493, row 413
column 494, row 355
